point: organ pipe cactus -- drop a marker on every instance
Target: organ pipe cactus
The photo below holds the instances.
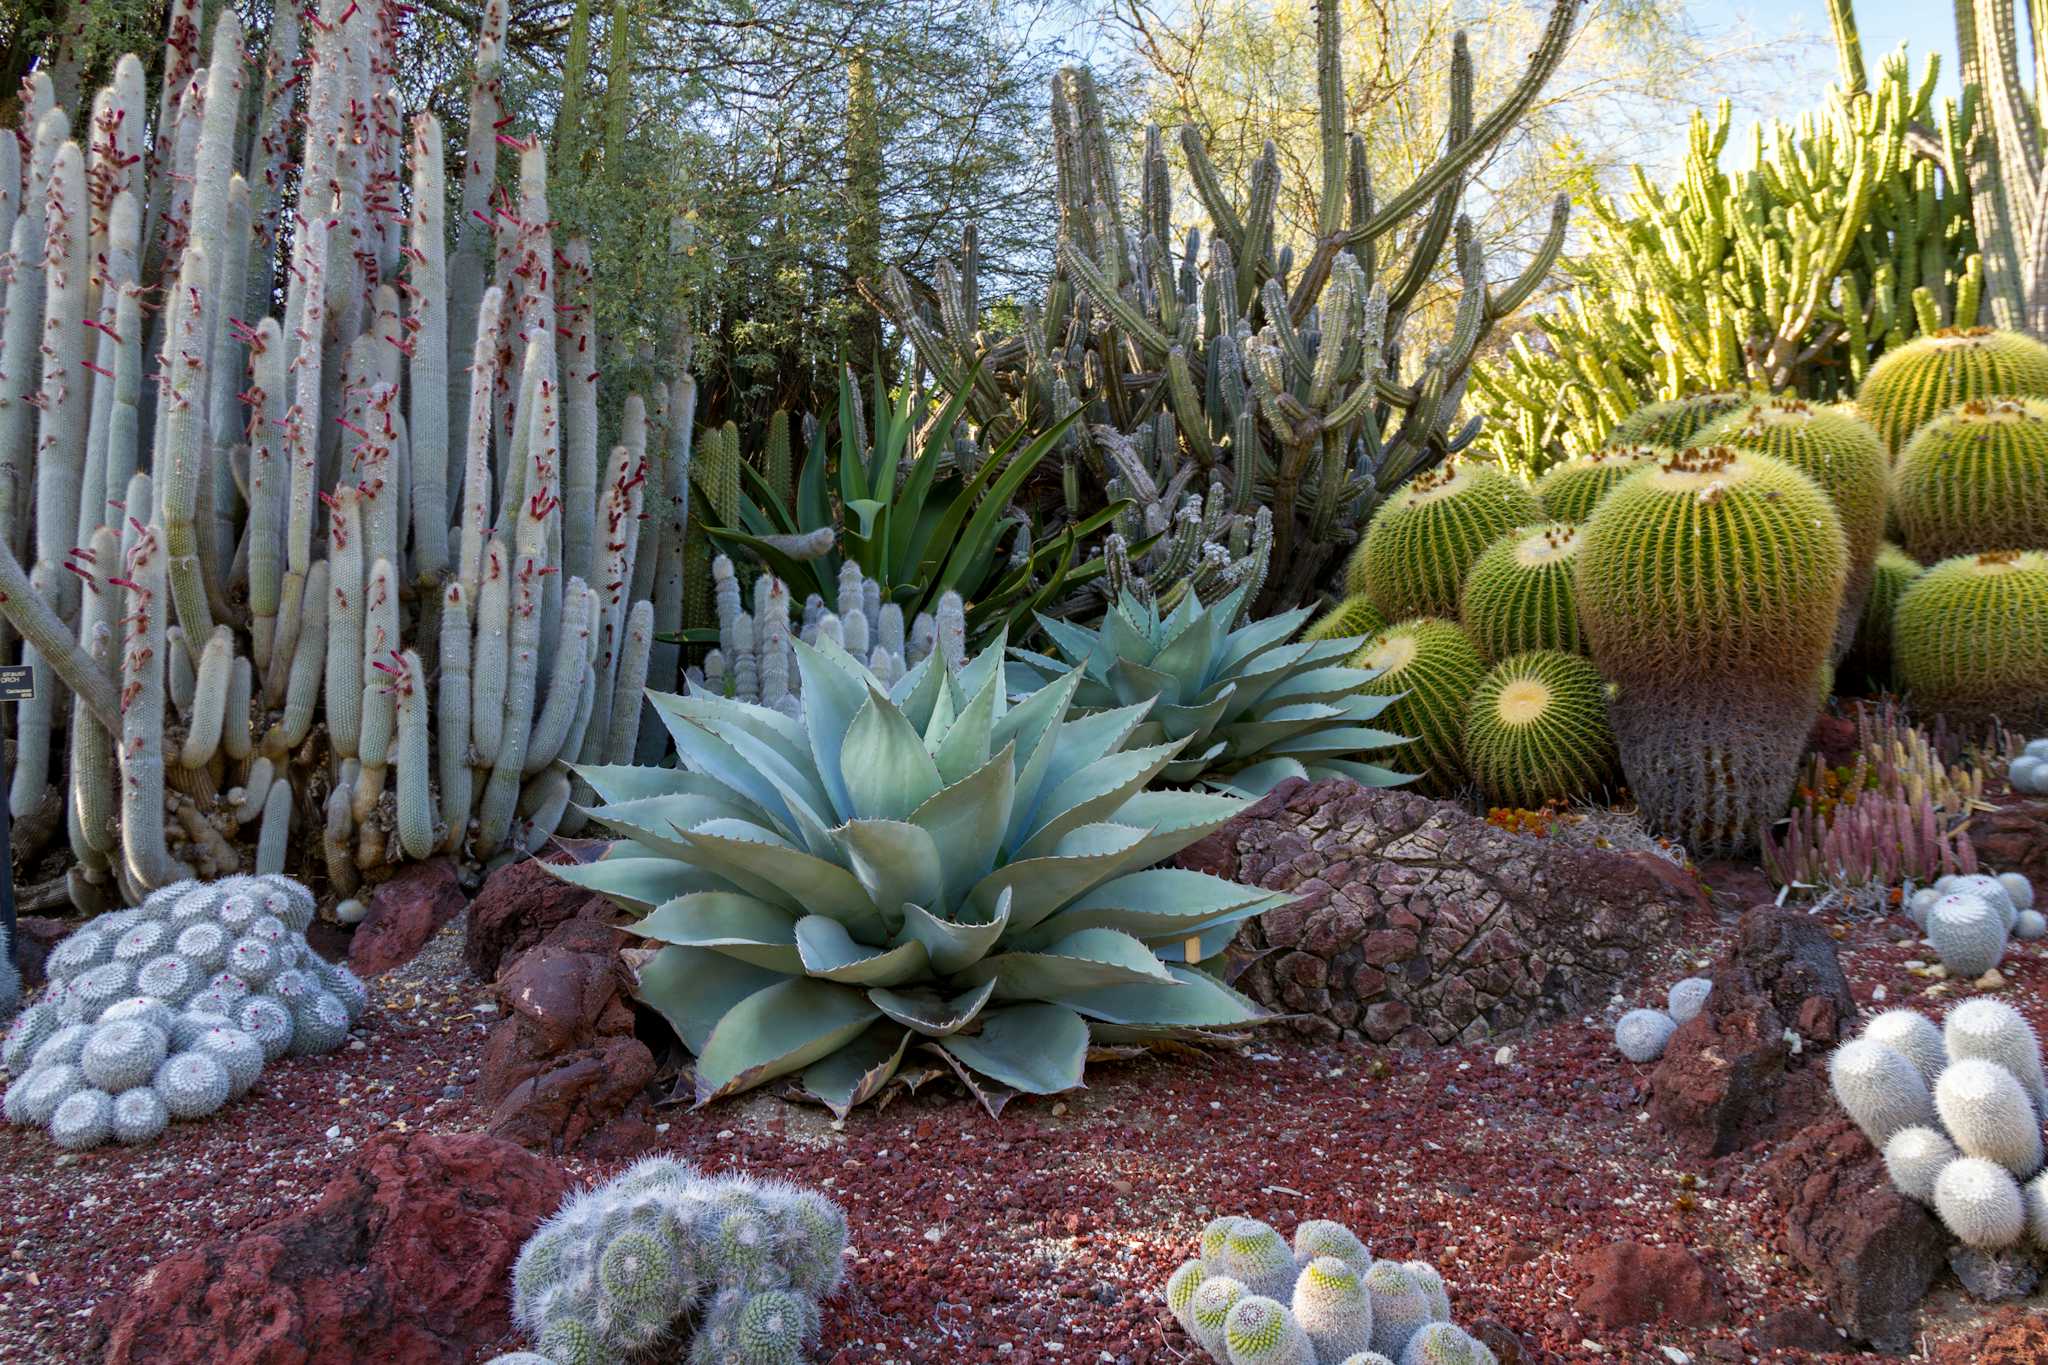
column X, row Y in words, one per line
column 1251, row 707
column 378, row 517
column 921, row 865
column 1236, row 363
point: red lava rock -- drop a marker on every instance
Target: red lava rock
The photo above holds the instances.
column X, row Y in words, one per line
column 404, row 1260
column 405, row 912
column 1507, row 1347
column 1797, row 1329
column 1632, row 1283
column 2014, row 838
column 2011, row 1336
column 563, row 1063
column 34, row 936
column 1417, row 923
column 1728, row 1077
column 514, row 910
column 1873, row 1250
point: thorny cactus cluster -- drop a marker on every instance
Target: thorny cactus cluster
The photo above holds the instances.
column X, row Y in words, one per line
column 1642, row 1035
column 171, row 1009
column 755, row 660
column 1222, row 360
column 1956, row 1110
column 1252, row 1299
column 1970, row 919
column 2028, row 773
column 365, row 545
column 733, row 1267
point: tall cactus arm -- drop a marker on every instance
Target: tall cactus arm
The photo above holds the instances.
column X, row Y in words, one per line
column 146, row 855
column 185, row 448
column 45, row 632
column 65, row 400
column 427, row 353
column 415, row 808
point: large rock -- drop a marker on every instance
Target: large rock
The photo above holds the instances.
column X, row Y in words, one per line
column 404, row 1259
column 1630, row 1284
column 516, row 908
column 1417, row 923
column 563, row 1063
column 405, row 911
column 1730, row 1076
column 2013, row 837
column 1873, row 1251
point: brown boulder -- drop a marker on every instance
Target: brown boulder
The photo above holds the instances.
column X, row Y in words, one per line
column 1629, row 1283
column 2013, row 837
column 1729, row 1077
column 1873, row 1250
column 1416, row 923
column 1797, row 1329
column 405, row 911
column 405, row 1259
column 514, row 910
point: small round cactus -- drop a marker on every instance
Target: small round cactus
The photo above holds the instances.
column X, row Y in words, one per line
column 1914, row 1156
column 774, row 1328
column 32, row 1028
column 1996, row 1032
column 641, row 1276
column 1987, row 1112
column 1688, row 997
column 1970, row 638
column 1355, row 616
column 2036, row 1196
column 319, row 1024
column 238, row 1052
column 1980, row 1203
column 34, row 1098
column 85, row 1119
column 143, row 940
column 89, row 993
column 1439, row 1343
column 1210, row 1310
column 167, row 977
column 1400, row 1306
column 122, row 1054
column 1333, row 1308
column 139, row 1116
column 1325, row 1237
column 1433, row 668
column 254, row 960
column 268, row 1022
column 1968, row 933
column 1879, row 1089
column 1260, row 1331
column 1259, row 1258
column 1675, row 422
column 1518, row 594
column 1181, row 1287
column 1914, row 1035
column 1910, row 384
column 345, row 986
column 65, row 1045
column 1424, row 537
column 1642, row 1035
column 1571, row 489
column 571, row 1341
column 76, row 952
column 192, row 1084
column 204, row 945
column 1536, row 731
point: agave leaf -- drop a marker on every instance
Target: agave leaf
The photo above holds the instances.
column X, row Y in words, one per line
column 833, row 694
column 1158, row 906
column 944, row 709
column 1191, row 766
column 803, row 796
column 896, row 862
column 1084, row 859
column 618, row 782
column 929, row 1013
column 1193, row 1000
column 916, row 694
column 1275, row 727
column 726, row 922
column 726, row 716
column 954, row 944
column 1094, row 794
column 1034, row 725
column 1039, row 1049
column 693, row 988
column 782, row 874
column 780, row 1029
column 1255, row 780
column 828, row 951
column 857, row 1072
column 1320, row 684
column 637, row 883
column 966, row 745
column 1084, row 739
column 706, row 752
column 1188, row 657
column 983, row 668
column 1081, row 646
column 992, row 1098
column 1174, row 820
column 1255, row 638
column 1345, row 739
column 1082, row 961
column 968, row 822
column 887, row 770
column 1364, row 774
column 1132, row 682
column 1199, row 718
column 653, row 820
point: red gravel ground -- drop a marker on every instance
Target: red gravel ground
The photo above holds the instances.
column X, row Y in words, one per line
column 1043, row 1237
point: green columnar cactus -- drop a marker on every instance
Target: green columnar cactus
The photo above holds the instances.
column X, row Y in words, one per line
column 1536, row 731
column 1975, row 478
column 1841, row 453
column 1923, row 379
column 1970, row 638
column 1570, row 489
column 1426, row 537
column 1431, row 667
column 1709, row 589
column 1518, row 593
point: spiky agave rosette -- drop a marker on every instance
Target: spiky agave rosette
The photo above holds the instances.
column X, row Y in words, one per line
column 1251, row 708
column 921, row 866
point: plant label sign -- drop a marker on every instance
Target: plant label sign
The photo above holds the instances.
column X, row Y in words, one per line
column 17, row 682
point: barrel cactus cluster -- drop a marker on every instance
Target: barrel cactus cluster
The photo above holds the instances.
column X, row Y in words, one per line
column 664, row 1256
column 1252, row 1298
column 349, row 578
column 1956, row 1108
column 1642, row 1035
column 170, row 1010
column 1971, row 919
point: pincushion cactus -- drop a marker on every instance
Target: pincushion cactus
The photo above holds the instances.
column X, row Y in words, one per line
column 1985, row 1110
column 1913, row 1034
column 1914, row 1156
column 661, row 1249
column 1996, row 1032
column 2028, row 773
column 1333, row 1307
column 1642, row 1035
column 1879, row 1088
column 194, row 1039
column 1968, row 933
column 1980, row 1203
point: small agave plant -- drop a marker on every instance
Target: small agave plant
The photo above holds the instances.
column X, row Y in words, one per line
column 1250, row 708
column 918, row 871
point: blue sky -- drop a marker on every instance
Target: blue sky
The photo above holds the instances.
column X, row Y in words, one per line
column 1925, row 25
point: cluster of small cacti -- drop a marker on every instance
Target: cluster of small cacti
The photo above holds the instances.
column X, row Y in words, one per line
column 665, row 1256
column 2028, row 771
column 1970, row 919
column 1956, row 1111
column 755, row 660
column 1251, row 1298
column 1642, row 1035
column 171, row 1009
column 305, row 518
